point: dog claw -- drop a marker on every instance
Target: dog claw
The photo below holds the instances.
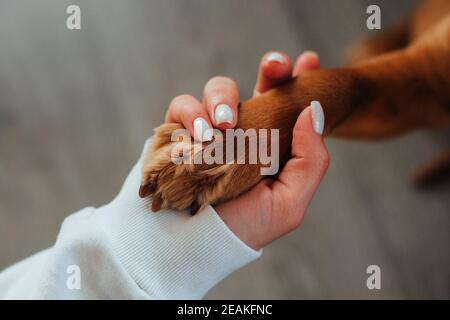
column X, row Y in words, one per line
column 143, row 191
column 156, row 202
column 195, row 206
column 147, row 189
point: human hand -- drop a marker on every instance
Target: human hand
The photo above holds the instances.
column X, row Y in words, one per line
column 272, row 208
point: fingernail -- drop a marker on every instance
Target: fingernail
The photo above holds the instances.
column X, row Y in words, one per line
column 223, row 114
column 276, row 56
column 310, row 53
column 318, row 118
column 202, row 130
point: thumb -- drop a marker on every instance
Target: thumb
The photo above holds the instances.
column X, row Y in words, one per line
column 307, row 140
column 302, row 174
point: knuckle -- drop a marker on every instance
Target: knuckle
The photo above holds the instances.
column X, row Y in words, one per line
column 217, row 97
column 184, row 108
column 231, row 82
column 217, row 79
column 183, row 98
column 220, row 89
column 219, row 85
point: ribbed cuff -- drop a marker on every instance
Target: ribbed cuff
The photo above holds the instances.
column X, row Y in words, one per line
column 172, row 255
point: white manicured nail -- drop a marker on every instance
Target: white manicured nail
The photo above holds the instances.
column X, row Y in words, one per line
column 223, row 114
column 202, row 130
column 276, row 56
column 318, row 118
column 310, row 53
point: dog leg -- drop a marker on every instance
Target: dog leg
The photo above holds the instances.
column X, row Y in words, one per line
column 394, row 39
column 386, row 96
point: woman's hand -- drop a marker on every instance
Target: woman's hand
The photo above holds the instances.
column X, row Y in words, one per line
column 272, row 208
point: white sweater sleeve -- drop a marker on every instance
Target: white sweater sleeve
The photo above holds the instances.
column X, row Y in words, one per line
column 123, row 251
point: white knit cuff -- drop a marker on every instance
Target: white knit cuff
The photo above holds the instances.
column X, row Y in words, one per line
column 172, row 255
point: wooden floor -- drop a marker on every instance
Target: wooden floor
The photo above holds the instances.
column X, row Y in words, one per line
column 76, row 107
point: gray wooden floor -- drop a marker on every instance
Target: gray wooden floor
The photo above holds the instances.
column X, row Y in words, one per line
column 76, row 107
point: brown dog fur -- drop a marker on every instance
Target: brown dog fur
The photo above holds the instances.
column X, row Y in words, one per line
column 396, row 83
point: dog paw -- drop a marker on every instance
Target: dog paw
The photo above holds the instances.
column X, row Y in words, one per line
column 191, row 184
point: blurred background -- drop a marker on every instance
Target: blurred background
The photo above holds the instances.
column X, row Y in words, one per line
column 77, row 106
